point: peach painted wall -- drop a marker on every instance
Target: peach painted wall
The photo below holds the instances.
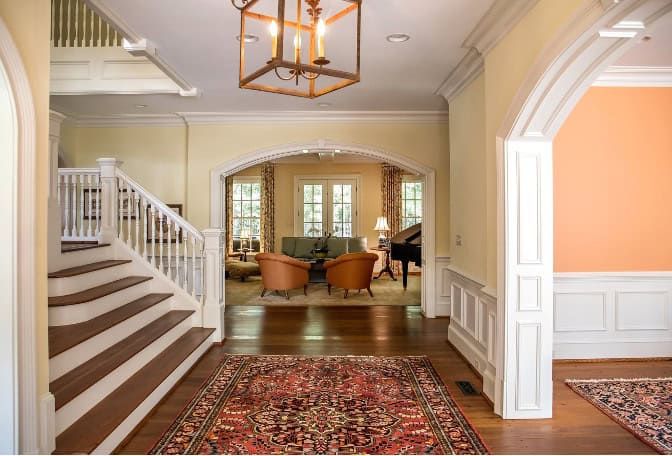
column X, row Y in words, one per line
column 613, row 182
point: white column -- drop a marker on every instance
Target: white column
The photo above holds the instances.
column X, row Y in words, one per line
column 108, row 199
column 526, row 312
column 213, row 311
column 54, row 228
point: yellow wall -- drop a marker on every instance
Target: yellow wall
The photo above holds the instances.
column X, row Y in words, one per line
column 155, row 156
column 505, row 68
column 467, row 178
column 29, row 23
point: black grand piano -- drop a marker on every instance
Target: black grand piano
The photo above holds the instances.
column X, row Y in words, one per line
column 407, row 246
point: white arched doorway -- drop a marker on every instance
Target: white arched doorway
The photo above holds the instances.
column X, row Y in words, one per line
column 599, row 34
column 19, row 424
column 218, row 196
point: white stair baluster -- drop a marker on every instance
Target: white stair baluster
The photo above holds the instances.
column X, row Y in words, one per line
column 202, row 250
column 130, row 197
column 73, row 206
column 145, row 215
column 161, row 218
column 120, row 198
column 193, row 267
column 98, row 205
column 81, row 205
column 66, row 207
column 177, row 255
column 185, row 284
column 89, row 232
column 168, row 226
column 153, row 215
column 136, row 206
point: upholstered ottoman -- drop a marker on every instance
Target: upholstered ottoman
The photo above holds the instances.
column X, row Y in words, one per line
column 241, row 269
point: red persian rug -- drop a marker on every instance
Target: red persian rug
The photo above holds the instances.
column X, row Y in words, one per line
column 643, row 406
column 321, row 405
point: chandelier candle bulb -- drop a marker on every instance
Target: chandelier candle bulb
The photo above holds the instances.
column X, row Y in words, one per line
column 321, row 30
column 274, row 39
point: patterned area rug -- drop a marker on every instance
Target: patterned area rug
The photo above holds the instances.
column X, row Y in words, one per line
column 321, row 405
column 643, row 406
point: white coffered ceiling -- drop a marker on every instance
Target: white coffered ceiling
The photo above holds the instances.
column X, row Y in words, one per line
column 198, row 40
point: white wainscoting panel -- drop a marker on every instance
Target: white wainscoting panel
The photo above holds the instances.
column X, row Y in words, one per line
column 472, row 328
column 612, row 315
column 442, row 287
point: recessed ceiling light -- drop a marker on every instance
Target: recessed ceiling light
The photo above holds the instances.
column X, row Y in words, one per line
column 338, row 151
column 398, row 37
column 141, row 106
column 249, row 38
column 324, row 105
column 305, row 151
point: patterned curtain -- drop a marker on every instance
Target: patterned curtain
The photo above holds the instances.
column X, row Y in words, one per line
column 391, row 191
column 267, row 208
column 229, row 216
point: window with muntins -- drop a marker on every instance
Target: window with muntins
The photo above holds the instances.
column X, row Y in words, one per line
column 411, row 202
column 246, row 213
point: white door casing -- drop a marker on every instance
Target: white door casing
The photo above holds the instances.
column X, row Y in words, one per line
column 22, row 434
column 598, row 35
column 327, row 219
column 218, row 196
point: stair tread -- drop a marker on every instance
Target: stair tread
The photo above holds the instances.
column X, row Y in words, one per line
column 92, row 429
column 72, row 384
column 91, row 267
column 66, row 248
column 96, row 292
column 62, row 338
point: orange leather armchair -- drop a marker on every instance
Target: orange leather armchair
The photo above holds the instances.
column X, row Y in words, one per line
column 282, row 273
column 351, row 271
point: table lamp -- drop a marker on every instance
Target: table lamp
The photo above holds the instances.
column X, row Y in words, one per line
column 381, row 227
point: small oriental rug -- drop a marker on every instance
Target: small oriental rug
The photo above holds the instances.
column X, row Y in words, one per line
column 321, row 405
column 643, row 406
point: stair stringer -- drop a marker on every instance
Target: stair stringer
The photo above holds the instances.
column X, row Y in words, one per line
column 162, row 284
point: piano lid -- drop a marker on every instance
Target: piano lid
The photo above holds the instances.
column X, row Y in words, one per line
column 411, row 235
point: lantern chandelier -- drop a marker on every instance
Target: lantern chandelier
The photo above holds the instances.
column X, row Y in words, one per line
column 293, row 76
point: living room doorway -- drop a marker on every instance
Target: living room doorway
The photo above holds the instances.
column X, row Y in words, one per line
column 357, row 209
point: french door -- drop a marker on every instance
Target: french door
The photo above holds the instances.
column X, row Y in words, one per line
column 326, row 207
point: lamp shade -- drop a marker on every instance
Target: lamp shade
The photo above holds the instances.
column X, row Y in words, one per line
column 381, row 224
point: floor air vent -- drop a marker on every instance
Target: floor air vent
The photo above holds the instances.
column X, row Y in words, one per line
column 467, row 388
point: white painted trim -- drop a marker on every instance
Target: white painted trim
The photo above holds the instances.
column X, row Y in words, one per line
column 469, row 68
column 563, row 72
column 47, row 423
column 28, row 417
column 631, row 76
column 217, row 196
column 496, row 23
column 126, row 120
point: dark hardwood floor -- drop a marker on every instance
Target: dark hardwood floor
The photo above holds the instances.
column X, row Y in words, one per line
column 577, row 426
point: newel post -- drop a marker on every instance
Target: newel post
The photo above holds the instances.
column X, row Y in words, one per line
column 54, row 207
column 109, row 197
column 213, row 310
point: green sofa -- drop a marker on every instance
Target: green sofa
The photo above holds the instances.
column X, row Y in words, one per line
column 300, row 247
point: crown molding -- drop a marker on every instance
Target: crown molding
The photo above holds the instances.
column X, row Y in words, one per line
column 260, row 117
column 272, row 117
column 631, row 76
column 502, row 16
column 469, row 68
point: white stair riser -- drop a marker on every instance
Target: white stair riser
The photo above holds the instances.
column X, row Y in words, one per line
column 81, row 404
column 77, row 313
column 126, row 427
column 69, row 285
column 82, row 257
column 79, row 354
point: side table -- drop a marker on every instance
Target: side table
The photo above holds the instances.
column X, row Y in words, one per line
column 387, row 268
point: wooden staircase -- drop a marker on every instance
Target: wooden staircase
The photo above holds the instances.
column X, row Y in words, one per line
column 117, row 344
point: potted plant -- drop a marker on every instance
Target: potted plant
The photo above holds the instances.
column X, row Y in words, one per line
column 320, row 251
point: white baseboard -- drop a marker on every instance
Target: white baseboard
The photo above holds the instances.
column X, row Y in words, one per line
column 612, row 315
column 47, row 424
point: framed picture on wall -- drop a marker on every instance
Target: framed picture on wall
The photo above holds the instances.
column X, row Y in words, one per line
column 126, row 207
column 158, row 226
